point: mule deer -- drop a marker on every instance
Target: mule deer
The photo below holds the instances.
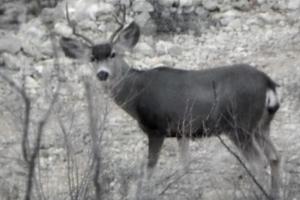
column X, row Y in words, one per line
column 236, row 100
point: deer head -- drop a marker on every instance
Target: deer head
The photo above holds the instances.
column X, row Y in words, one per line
column 107, row 57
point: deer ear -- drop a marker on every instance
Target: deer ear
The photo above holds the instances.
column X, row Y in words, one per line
column 129, row 37
column 74, row 48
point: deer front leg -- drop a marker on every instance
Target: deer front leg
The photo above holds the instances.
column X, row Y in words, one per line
column 183, row 143
column 154, row 147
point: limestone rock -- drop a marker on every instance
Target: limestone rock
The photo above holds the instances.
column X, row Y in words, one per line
column 293, row 4
column 164, row 47
column 144, row 49
column 146, row 23
column 184, row 3
column 210, row 4
column 10, row 61
column 167, row 3
column 9, row 44
column 175, row 50
column 228, row 16
column 242, row 5
column 142, row 6
column 125, row 2
column 142, row 18
column 63, row 29
column 201, row 12
column 188, row 9
column 89, row 10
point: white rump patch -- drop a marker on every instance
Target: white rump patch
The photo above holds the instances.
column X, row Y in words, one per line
column 271, row 98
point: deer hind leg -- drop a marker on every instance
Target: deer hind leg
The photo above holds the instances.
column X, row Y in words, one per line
column 273, row 158
column 249, row 147
column 183, row 144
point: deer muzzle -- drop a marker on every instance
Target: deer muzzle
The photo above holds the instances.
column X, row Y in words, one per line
column 102, row 75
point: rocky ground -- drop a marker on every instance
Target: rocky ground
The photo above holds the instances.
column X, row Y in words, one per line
column 260, row 33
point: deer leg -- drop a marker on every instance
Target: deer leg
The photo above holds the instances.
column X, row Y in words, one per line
column 154, row 147
column 249, row 147
column 274, row 161
column 253, row 153
column 183, row 143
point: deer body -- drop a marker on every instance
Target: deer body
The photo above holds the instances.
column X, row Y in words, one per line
column 239, row 101
column 180, row 103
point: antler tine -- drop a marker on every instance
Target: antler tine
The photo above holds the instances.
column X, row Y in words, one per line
column 121, row 23
column 73, row 26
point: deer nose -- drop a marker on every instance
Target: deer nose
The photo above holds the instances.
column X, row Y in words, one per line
column 102, row 75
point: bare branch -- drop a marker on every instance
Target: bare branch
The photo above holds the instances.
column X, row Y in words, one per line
column 37, row 145
column 71, row 164
column 27, row 112
column 245, row 167
column 173, row 182
column 120, row 22
column 40, row 128
column 95, row 145
column 72, row 24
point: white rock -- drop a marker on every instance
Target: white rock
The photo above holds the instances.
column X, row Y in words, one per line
column 9, row 60
column 242, row 5
column 255, row 21
column 39, row 68
column 293, row 4
column 186, row 3
column 9, row 44
column 175, row 50
column 261, row 1
column 125, row 2
column 31, row 48
column 197, row 2
column 83, row 10
column 149, row 28
column 113, row 2
column 270, row 17
column 188, row 9
column 31, row 83
column 100, row 8
column 87, row 24
column 226, row 17
column 144, row 49
column 142, row 18
column 162, row 47
column 201, row 12
column 231, row 13
column 142, row 6
column 34, row 29
column 46, row 48
column 210, row 4
column 235, row 24
column 63, row 29
column 167, row 3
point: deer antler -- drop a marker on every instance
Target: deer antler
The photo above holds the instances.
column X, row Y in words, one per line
column 72, row 24
column 121, row 11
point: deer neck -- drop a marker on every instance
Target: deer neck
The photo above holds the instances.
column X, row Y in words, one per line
column 127, row 90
